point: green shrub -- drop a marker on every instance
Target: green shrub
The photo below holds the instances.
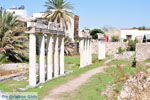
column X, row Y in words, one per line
column 125, row 40
column 132, row 45
column 94, row 32
column 3, row 58
column 121, row 50
column 115, row 38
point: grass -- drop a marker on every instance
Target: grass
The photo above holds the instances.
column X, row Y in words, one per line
column 71, row 63
column 119, row 62
column 147, row 61
column 93, row 88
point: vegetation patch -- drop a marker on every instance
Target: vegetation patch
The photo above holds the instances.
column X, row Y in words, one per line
column 99, row 86
column 43, row 89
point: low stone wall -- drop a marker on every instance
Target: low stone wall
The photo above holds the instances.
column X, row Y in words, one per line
column 142, row 51
column 95, row 47
column 111, row 47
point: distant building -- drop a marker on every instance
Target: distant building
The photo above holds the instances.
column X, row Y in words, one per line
column 76, row 27
column 38, row 15
column 133, row 33
column 18, row 11
column 21, row 13
column 110, row 32
column 146, row 38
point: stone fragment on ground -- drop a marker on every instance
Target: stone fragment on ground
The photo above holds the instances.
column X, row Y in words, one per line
column 109, row 92
column 20, row 78
column 123, row 56
column 135, row 86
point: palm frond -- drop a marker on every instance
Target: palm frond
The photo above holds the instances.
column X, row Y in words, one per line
column 58, row 11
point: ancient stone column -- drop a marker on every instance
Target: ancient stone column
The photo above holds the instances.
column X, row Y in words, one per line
column 101, row 50
column 90, row 51
column 61, row 56
column 42, row 58
column 81, row 53
column 50, row 57
column 56, row 57
column 85, row 52
column 32, row 60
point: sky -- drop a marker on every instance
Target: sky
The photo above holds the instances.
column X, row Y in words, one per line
column 97, row 13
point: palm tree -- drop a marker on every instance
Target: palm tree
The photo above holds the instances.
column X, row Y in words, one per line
column 68, row 46
column 58, row 11
column 12, row 39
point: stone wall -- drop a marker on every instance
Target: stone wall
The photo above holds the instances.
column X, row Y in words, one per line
column 111, row 47
column 142, row 51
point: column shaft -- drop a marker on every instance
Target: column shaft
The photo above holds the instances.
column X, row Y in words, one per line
column 101, row 51
column 56, row 57
column 81, row 53
column 42, row 59
column 50, row 57
column 88, row 52
column 90, row 46
column 32, row 60
column 85, row 52
column 61, row 56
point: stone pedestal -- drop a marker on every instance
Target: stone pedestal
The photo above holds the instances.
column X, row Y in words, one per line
column 101, row 51
column 101, row 47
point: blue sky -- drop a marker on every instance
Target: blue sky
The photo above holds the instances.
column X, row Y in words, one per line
column 98, row 13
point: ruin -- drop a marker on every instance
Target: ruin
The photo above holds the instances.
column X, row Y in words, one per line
column 85, row 48
column 51, row 52
column 101, row 47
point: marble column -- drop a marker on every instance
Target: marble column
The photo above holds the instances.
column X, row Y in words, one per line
column 50, row 57
column 81, row 53
column 61, row 56
column 88, row 49
column 42, row 58
column 101, row 50
column 85, row 52
column 90, row 46
column 56, row 57
column 32, row 60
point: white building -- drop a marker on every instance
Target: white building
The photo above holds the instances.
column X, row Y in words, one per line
column 133, row 33
column 38, row 15
column 21, row 13
column 18, row 12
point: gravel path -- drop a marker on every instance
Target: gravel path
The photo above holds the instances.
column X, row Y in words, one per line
column 73, row 84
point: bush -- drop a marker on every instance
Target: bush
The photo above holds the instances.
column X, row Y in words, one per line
column 94, row 32
column 132, row 45
column 115, row 38
column 125, row 40
column 120, row 50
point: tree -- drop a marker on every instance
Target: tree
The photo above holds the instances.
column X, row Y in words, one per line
column 142, row 28
column 94, row 32
column 68, row 46
column 58, row 11
column 12, row 39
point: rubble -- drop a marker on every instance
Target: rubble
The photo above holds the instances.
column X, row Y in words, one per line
column 134, row 86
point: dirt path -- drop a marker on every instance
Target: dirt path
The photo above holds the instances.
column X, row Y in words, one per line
column 73, row 84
